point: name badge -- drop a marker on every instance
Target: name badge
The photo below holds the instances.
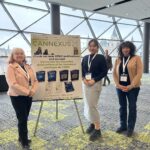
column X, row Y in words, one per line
column 88, row 76
column 123, row 78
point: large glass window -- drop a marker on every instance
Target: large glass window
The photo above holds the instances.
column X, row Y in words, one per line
column 34, row 17
column 5, row 22
column 99, row 27
column 41, row 26
column 24, row 16
column 83, row 30
column 69, row 22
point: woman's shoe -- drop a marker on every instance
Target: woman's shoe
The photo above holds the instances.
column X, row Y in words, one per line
column 26, row 147
column 90, row 129
column 121, row 129
column 96, row 134
column 29, row 141
column 129, row 133
column 25, row 144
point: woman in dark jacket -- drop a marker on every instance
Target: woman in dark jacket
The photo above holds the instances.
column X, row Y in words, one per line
column 94, row 68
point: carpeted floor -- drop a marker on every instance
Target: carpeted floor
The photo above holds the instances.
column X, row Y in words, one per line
column 65, row 133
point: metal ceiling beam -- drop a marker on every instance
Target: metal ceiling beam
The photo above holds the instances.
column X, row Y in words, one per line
column 139, row 47
column 75, row 27
column 107, row 29
column 130, row 33
column 19, row 31
column 78, row 25
column 23, row 31
column 139, row 28
column 15, row 24
column 125, row 38
column 47, row 5
column 9, row 30
column 104, row 33
column 23, row 6
column 88, row 23
column 92, row 31
column 9, row 39
column 117, row 29
column 35, row 21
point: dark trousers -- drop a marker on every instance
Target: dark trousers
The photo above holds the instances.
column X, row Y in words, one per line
column 132, row 100
column 22, row 106
column 106, row 78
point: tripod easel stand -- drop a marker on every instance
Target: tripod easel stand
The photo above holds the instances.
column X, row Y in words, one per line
column 41, row 107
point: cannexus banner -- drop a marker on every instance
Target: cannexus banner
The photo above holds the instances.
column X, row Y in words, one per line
column 57, row 64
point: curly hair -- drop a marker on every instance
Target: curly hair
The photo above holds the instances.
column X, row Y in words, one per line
column 126, row 44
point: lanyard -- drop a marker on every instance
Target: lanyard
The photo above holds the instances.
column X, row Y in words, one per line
column 89, row 63
column 125, row 64
column 26, row 72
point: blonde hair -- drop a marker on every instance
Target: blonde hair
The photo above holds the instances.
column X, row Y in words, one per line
column 14, row 50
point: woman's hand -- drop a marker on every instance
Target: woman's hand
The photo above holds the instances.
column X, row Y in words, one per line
column 85, row 81
column 126, row 89
column 91, row 82
column 121, row 87
column 31, row 93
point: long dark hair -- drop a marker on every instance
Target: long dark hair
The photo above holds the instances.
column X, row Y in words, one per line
column 127, row 44
column 95, row 42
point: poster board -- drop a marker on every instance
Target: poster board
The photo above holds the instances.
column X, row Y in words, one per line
column 57, row 63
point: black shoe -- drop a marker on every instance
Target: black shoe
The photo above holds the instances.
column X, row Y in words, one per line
column 90, row 129
column 26, row 147
column 29, row 141
column 95, row 135
column 129, row 133
column 120, row 130
column 104, row 84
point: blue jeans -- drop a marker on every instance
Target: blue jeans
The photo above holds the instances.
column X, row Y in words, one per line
column 132, row 99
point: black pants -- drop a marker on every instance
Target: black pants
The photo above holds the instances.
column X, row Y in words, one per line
column 106, row 78
column 22, row 106
column 132, row 99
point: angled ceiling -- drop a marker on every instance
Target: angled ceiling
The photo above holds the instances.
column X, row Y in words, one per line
column 131, row 9
column 85, row 4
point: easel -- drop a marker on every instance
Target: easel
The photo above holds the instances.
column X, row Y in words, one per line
column 40, row 110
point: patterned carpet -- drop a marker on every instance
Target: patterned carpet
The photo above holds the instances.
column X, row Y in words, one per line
column 65, row 133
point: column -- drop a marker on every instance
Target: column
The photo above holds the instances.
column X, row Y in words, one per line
column 55, row 18
column 146, row 47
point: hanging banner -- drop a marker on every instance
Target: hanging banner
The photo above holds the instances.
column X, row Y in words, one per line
column 57, row 63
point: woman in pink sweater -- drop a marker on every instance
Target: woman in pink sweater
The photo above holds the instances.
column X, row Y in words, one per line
column 22, row 86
